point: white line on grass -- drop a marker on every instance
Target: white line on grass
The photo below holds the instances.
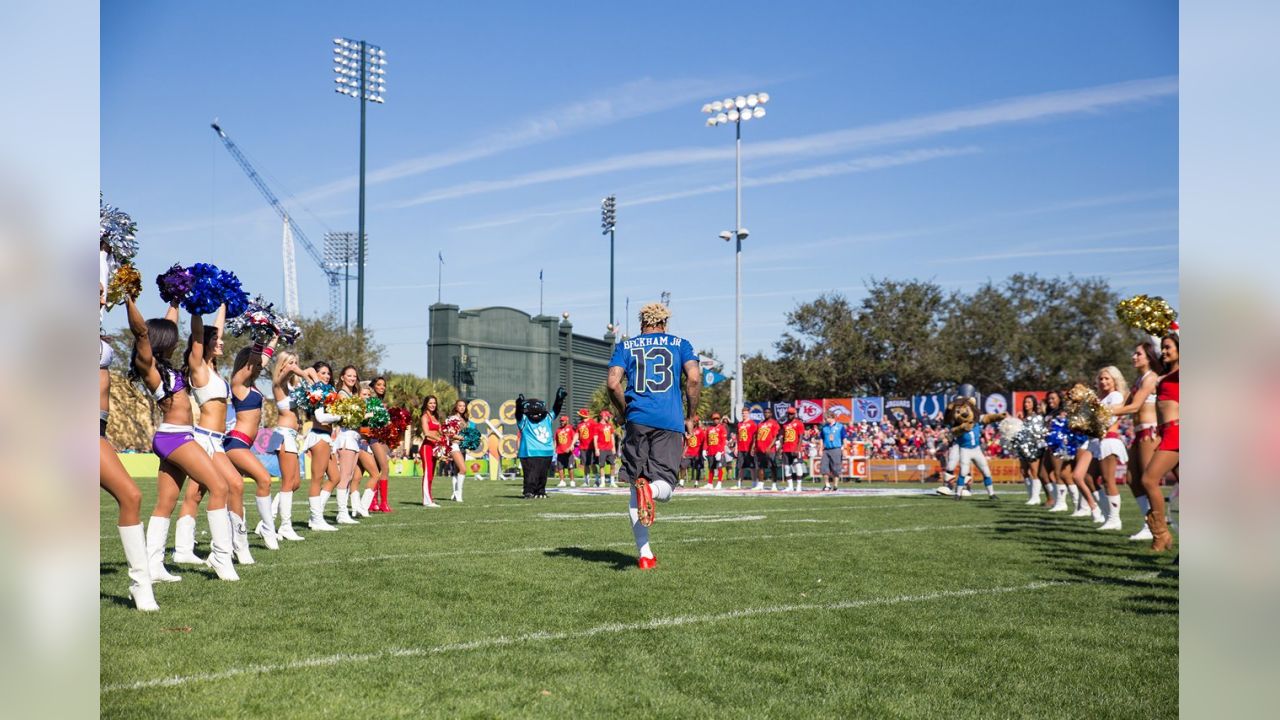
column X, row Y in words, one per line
column 543, row 636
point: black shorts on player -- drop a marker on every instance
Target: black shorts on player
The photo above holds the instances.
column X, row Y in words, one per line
column 766, row 462
column 651, row 453
column 589, row 458
column 564, row 461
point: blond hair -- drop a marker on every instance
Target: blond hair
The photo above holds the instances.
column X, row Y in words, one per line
column 654, row 315
column 1122, row 386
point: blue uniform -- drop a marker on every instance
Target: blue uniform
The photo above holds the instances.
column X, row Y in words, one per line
column 833, row 436
column 653, row 364
column 971, row 438
column 536, row 437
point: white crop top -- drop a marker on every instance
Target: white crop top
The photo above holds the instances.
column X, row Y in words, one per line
column 105, row 355
column 216, row 389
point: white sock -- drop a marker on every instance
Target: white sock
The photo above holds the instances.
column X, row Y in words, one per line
column 640, row 532
column 1144, row 504
column 1114, row 502
column 1075, row 494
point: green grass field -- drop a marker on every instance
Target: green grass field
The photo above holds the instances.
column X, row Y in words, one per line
column 809, row 606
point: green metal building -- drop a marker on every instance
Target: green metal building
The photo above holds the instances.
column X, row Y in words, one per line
column 497, row 353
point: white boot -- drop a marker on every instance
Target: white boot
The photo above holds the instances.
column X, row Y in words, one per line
column 135, row 555
column 157, row 536
column 344, row 517
column 1033, row 497
column 366, row 499
column 1113, row 518
column 276, row 501
column 458, row 480
column 1101, row 511
column 317, row 521
column 184, row 541
column 220, row 544
column 1143, row 534
column 286, row 531
column 266, row 524
column 1060, row 499
column 240, row 539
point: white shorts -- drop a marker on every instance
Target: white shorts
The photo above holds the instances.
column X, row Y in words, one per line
column 1107, row 447
column 285, row 439
column 209, row 440
column 313, row 439
column 962, row 458
column 347, row 440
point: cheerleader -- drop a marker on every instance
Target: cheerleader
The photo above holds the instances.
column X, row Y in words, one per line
column 1165, row 458
column 381, row 452
column 113, row 478
column 449, row 448
column 347, row 448
column 1142, row 402
column 247, row 400
column 1109, row 450
column 284, row 439
column 317, row 447
column 367, row 463
column 1089, row 449
column 431, row 436
column 1031, row 468
column 1049, row 410
column 1058, row 472
column 211, row 394
column 174, row 443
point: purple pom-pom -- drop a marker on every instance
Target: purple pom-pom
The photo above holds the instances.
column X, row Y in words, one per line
column 175, row 283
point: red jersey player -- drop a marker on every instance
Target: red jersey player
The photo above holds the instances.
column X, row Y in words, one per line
column 766, row 453
column 746, row 449
column 606, row 448
column 792, row 450
column 691, row 463
column 565, row 436
column 587, row 447
column 717, row 440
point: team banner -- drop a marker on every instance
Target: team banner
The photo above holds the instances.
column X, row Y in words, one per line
column 898, row 408
column 997, row 403
column 928, row 407
column 839, row 408
column 1020, row 396
column 868, row 409
column 757, row 411
column 780, row 411
column 711, row 377
column 809, row 411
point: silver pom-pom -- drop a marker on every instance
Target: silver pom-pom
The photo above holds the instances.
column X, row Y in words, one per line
column 1028, row 443
column 117, row 232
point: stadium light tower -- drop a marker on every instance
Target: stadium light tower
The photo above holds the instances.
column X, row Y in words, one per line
column 360, row 73
column 737, row 111
column 608, row 219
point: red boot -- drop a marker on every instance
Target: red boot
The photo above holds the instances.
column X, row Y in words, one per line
column 383, row 506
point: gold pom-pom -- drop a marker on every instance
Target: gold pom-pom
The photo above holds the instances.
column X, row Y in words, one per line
column 1152, row 315
column 350, row 410
column 125, row 282
column 1086, row 413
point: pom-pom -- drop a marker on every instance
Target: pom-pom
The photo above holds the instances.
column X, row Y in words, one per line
column 205, row 294
column 1152, row 315
column 1009, row 427
column 236, row 299
column 117, row 232
column 378, row 417
column 470, row 438
column 316, row 396
column 299, row 398
column 287, row 329
column 1060, row 439
column 350, row 411
column 1085, row 412
column 125, row 282
column 257, row 320
column 175, row 283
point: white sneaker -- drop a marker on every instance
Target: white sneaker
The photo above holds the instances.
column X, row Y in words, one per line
column 287, row 532
column 432, row 504
column 1112, row 523
column 720, row 486
column 966, row 492
column 944, row 490
column 573, row 483
column 709, row 486
column 613, row 483
column 758, row 486
column 321, row 524
column 773, row 487
column 1143, row 534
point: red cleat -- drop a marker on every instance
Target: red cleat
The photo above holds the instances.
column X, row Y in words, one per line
column 644, row 502
column 647, row 563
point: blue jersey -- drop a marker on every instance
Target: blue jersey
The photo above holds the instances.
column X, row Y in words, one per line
column 653, row 364
column 972, row 438
column 833, row 436
column 536, row 437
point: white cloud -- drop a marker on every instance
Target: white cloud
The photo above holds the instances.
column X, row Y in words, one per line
column 1104, row 250
column 1003, row 112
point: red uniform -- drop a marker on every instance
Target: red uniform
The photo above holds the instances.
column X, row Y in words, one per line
column 564, row 439
column 604, row 437
column 717, row 438
column 792, row 433
column 746, row 436
column 766, row 434
column 586, row 433
column 693, row 443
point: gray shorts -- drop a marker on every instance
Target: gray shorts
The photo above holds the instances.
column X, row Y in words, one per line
column 832, row 461
column 651, row 453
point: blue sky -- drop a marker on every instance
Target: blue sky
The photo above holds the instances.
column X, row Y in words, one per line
column 952, row 142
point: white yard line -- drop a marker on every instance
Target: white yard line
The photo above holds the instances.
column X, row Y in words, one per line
column 544, row 636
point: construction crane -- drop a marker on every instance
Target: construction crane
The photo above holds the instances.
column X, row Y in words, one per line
column 331, row 272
